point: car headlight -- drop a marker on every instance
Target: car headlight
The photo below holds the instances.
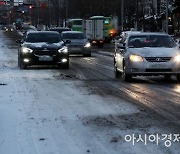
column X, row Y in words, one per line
column 87, row 45
column 177, row 58
column 63, row 50
column 136, row 58
column 26, row 50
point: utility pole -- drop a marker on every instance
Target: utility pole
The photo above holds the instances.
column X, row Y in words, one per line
column 122, row 15
column 167, row 18
column 49, row 13
column 66, row 13
column 38, row 11
column 158, row 14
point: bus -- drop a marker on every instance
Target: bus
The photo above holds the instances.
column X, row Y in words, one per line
column 109, row 27
column 75, row 24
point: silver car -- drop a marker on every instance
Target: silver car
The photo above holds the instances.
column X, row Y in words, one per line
column 147, row 54
column 78, row 43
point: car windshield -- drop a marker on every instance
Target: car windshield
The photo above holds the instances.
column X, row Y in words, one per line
column 43, row 37
column 73, row 36
column 151, row 41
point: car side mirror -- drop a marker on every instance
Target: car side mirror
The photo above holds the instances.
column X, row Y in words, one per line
column 19, row 41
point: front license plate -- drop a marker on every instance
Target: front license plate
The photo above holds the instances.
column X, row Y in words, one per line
column 45, row 58
column 158, row 66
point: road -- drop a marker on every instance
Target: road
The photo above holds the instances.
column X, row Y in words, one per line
column 84, row 109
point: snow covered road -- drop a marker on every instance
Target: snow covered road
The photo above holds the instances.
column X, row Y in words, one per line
column 44, row 110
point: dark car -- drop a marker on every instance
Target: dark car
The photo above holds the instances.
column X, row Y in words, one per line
column 18, row 26
column 8, row 28
column 60, row 29
column 79, row 44
column 28, row 28
column 42, row 47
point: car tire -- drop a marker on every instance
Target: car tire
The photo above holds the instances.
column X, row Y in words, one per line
column 18, row 61
column 87, row 55
column 116, row 72
column 21, row 64
column 63, row 66
column 125, row 76
column 178, row 77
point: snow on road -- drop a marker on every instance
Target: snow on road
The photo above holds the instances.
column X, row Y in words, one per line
column 43, row 113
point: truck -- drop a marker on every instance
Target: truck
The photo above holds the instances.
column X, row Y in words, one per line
column 110, row 26
column 94, row 31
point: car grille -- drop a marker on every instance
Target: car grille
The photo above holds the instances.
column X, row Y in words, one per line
column 158, row 59
column 41, row 53
column 75, row 46
column 158, row 70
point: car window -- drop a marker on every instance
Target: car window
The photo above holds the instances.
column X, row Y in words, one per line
column 36, row 38
column 150, row 41
column 73, row 36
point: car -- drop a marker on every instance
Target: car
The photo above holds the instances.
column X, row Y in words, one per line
column 78, row 43
column 42, row 47
column 147, row 53
column 8, row 28
column 60, row 29
column 18, row 26
column 29, row 28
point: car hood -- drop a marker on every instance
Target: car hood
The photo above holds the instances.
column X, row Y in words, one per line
column 43, row 45
column 154, row 52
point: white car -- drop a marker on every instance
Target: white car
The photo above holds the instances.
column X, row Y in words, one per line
column 147, row 54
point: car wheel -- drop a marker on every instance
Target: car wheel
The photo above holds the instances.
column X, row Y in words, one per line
column 87, row 55
column 18, row 61
column 116, row 72
column 178, row 77
column 125, row 76
column 64, row 66
column 23, row 66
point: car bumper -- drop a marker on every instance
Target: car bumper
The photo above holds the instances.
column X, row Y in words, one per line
column 79, row 50
column 153, row 68
column 44, row 59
